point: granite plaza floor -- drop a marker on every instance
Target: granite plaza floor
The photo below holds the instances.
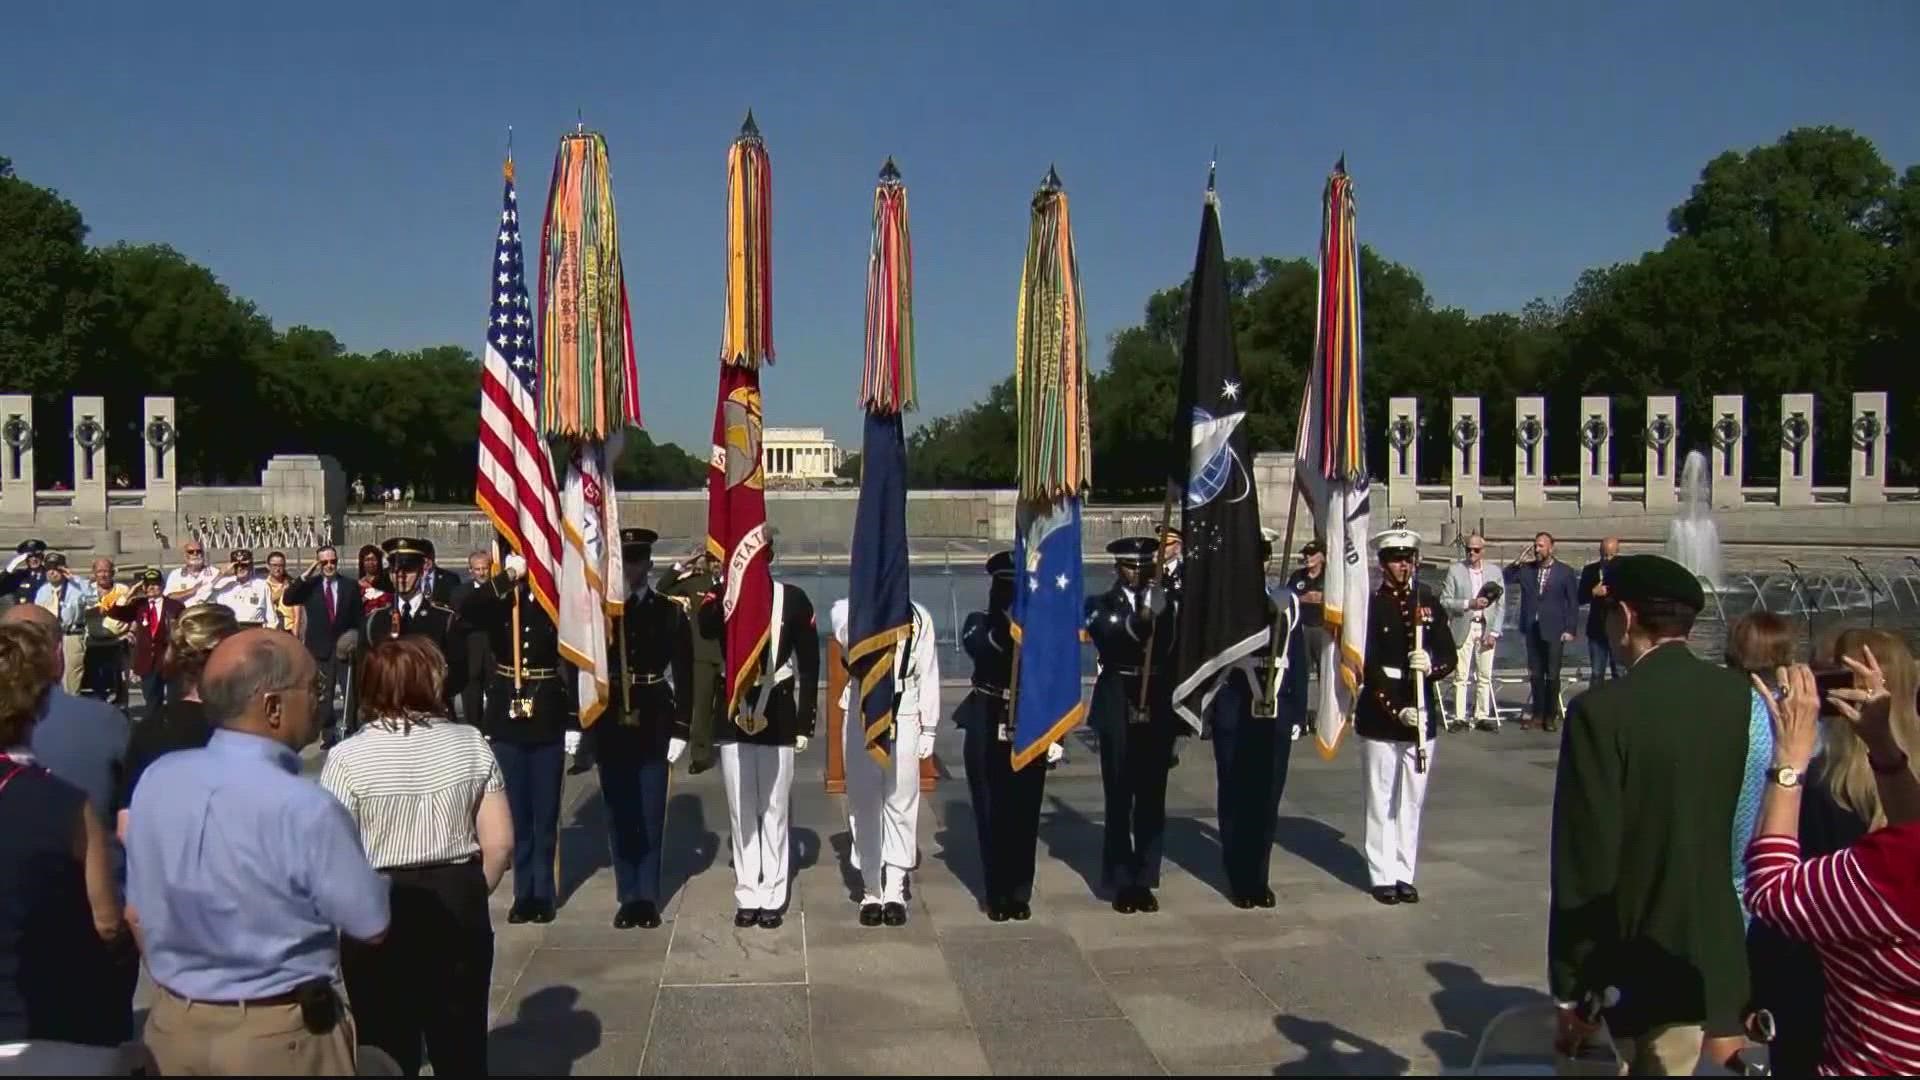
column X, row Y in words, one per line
column 1329, row 982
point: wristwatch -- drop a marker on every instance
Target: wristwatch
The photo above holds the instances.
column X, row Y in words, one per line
column 1785, row 775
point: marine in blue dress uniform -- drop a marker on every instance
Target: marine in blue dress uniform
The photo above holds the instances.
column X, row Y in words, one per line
column 1136, row 744
column 644, row 733
column 1006, row 803
column 1252, row 719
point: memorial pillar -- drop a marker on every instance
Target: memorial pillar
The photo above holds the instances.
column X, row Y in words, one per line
column 1796, row 449
column 1529, row 453
column 1663, row 413
column 16, row 455
column 1403, row 451
column 1729, row 445
column 1596, row 453
column 1464, row 474
column 90, row 459
column 1867, row 479
column 159, row 437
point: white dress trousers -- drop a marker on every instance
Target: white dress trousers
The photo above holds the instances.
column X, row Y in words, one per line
column 1473, row 671
column 1395, row 793
column 759, row 780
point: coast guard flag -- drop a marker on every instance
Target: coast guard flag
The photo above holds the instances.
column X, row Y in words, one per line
column 879, row 606
column 592, row 573
column 1047, row 614
column 1223, row 610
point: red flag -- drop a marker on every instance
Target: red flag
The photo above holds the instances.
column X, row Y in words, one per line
column 737, row 526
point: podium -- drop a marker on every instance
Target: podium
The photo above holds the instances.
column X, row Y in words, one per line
column 836, row 773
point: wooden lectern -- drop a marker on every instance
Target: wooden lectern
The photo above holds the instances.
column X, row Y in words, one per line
column 837, row 723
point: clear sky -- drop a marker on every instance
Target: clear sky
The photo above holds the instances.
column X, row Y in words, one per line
column 339, row 163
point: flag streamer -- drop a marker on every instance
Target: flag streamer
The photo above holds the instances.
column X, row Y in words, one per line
column 747, row 339
column 886, row 383
column 1333, row 479
column 1050, row 363
column 591, row 386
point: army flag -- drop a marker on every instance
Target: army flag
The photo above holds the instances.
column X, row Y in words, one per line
column 1331, row 460
column 1223, row 610
column 592, row 574
column 1055, row 459
column 879, row 598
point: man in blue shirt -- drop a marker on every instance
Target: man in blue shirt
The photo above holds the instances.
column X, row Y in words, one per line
column 68, row 598
column 242, row 875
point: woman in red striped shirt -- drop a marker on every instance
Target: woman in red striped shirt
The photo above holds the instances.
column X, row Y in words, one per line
column 1860, row 906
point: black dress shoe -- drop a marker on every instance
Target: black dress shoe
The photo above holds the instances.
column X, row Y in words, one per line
column 1243, row 901
column 746, row 917
column 518, row 912
column 1123, row 902
column 894, row 914
column 1265, row 899
column 627, row 917
column 1143, row 899
column 770, row 920
column 869, row 914
column 542, row 911
column 648, row 917
column 1407, row 893
column 1386, row 894
column 1020, row 911
column 999, row 912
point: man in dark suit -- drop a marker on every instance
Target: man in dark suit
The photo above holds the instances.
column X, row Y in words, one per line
column 330, row 606
column 1597, row 595
column 479, row 644
column 1643, row 898
column 436, row 584
column 1549, row 609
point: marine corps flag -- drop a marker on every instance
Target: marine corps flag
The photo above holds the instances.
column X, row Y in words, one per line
column 1331, row 461
column 1223, row 610
column 736, row 482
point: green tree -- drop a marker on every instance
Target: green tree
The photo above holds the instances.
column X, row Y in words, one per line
column 648, row 466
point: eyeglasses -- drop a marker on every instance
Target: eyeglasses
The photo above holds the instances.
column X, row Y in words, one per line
column 1475, row 550
column 329, row 562
column 193, row 551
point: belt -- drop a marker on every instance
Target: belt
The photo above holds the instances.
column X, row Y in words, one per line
column 528, row 674
column 993, row 691
column 644, row 680
column 286, row 997
column 1104, row 669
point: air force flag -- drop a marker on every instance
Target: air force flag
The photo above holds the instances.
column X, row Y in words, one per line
column 1047, row 613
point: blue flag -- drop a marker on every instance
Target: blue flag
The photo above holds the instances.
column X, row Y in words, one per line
column 879, row 602
column 1047, row 616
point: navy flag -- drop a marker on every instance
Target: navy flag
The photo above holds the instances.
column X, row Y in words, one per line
column 879, row 602
column 1223, row 609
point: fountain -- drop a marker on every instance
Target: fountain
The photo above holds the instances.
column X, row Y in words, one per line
column 1692, row 539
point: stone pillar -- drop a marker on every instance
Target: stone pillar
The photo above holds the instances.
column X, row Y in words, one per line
column 90, row 458
column 1596, row 453
column 1729, row 430
column 16, row 455
column 1403, row 452
column 159, row 441
column 307, row 486
column 1529, row 453
column 1466, row 438
column 1867, row 479
column 1273, row 485
column 1663, row 428
column 1796, row 449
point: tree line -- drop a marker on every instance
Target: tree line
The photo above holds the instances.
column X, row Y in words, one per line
column 1792, row 267
column 1789, row 267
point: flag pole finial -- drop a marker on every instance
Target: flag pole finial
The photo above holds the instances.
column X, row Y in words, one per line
column 749, row 129
column 889, row 173
column 579, row 122
column 1340, row 167
column 1213, row 163
column 1051, row 182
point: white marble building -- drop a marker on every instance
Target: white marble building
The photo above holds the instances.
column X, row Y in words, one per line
column 800, row 453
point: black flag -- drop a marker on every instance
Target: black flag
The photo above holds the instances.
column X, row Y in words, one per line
column 1223, row 603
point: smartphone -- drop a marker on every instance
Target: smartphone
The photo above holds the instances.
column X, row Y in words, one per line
column 1825, row 681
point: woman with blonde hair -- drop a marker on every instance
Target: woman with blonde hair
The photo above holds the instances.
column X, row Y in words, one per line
column 182, row 723
column 1845, row 775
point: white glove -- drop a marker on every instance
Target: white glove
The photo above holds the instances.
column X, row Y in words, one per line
column 1055, row 752
column 516, row 567
column 799, row 744
column 926, row 745
column 1419, row 661
column 675, row 747
column 15, row 562
column 1411, row 717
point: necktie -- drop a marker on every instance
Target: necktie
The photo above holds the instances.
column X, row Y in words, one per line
column 333, row 603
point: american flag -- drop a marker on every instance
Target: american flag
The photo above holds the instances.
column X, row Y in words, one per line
column 515, row 482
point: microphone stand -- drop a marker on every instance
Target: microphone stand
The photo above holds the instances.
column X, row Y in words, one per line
column 1800, row 587
column 1873, row 591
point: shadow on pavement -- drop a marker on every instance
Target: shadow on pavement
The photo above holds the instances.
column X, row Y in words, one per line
column 1465, row 1003
column 1334, row 1051
column 959, row 847
column 583, row 845
column 688, row 847
column 547, row 1037
column 1325, row 847
column 1073, row 838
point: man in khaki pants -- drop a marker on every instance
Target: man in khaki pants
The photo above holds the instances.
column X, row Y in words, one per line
column 242, row 875
column 69, row 598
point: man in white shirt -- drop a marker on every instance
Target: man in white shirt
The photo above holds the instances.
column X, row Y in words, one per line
column 192, row 582
column 250, row 598
column 1476, row 610
column 883, row 801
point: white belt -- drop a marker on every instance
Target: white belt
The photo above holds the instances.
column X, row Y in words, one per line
column 1392, row 672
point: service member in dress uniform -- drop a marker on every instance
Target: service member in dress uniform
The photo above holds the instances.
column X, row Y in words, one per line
column 1386, row 719
column 758, row 741
column 1006, row 804
column 528, row 704
column 688, row 584
column 25, row 572
column 1136, row 744
column 883, row 803
column 409, row 610
column 645, row 732
column 1252, row 719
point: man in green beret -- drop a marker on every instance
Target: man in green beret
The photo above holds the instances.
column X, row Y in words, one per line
column 1643, row 902
column 687, row 583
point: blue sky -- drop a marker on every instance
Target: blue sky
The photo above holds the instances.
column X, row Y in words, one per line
column 339, row 163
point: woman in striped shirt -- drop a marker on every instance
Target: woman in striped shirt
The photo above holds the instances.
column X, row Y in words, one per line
column 1860, row 906
column 433, row 818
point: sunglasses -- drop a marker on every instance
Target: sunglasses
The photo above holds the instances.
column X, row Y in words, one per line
column 1476, row 550
column 329, row 562
column 193, row 551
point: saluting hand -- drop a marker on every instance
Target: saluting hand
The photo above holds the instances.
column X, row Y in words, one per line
column 516, row 566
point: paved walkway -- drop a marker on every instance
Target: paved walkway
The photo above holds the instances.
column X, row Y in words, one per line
column 1329, row 982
